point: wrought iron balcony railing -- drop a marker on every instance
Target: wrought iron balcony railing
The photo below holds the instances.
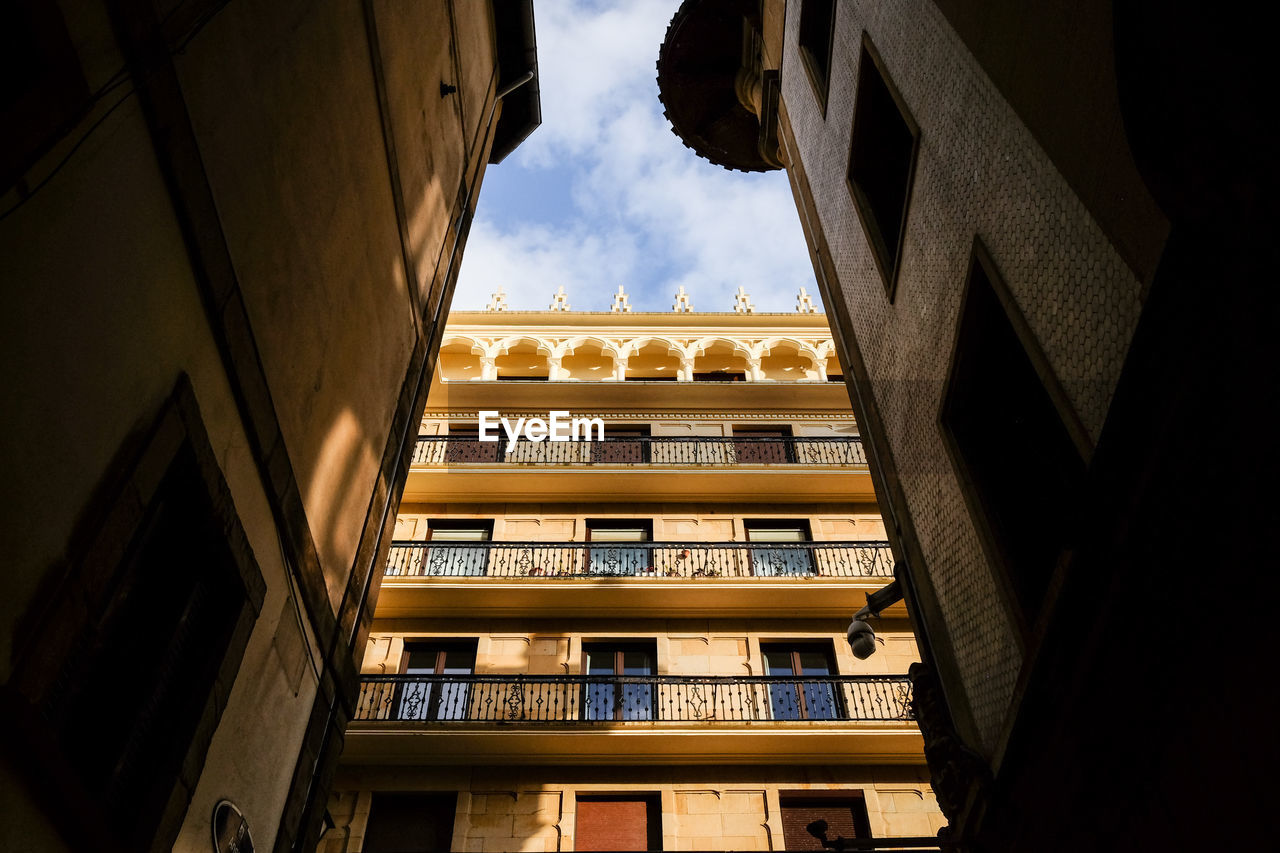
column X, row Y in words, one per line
column 591, row 699
column 640, row 559
column 446, row 450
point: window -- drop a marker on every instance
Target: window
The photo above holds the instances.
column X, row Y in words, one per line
column 410, row 823
column 617, row 559
column 882, row 161
column 436, row 698
column 460, row 560
column 784, row 556
column 818, row 820
column 42, row 88
column 817, row 28
column 763, row 445
column 618, row 822
column 138, row 649
column 608, row 698
column 616, row 449
column 798, row 699
column 463, row 445
column 1020, row 470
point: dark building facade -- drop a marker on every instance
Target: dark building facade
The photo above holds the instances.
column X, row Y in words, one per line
column 1037, row 231
column 229, row 233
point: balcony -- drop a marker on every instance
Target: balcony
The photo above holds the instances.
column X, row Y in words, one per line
column 629, row 468
column 640, row 559
column 685, row 579
column 644, row 450
column 615, row 719
column 640, row 699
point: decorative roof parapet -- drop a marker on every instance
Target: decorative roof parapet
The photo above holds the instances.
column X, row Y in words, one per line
column 620, row 304
column 804, row 303
column 742, row 302
column 559, row 300
column 682, row 304
column 499, row 301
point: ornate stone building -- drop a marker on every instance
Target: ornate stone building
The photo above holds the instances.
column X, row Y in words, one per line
column 638, row 642
column 229, row 234
column 1038, row 235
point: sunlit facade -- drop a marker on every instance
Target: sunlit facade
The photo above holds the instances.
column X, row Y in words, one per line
column 635, row 643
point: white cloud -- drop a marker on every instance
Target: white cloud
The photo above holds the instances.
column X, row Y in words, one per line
column 531, row 261
column 592, row 59
column 648, row 213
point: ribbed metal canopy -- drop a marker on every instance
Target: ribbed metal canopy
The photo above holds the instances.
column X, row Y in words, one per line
column 699, row 60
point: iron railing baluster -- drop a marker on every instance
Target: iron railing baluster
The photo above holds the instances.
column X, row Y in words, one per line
column 432, row 699
column 865, row 559
column 444, row 450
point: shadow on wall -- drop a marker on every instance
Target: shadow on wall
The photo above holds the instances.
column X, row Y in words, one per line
column 336, row 505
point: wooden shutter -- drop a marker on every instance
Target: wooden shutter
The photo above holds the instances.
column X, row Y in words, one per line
column 846, row 817
column 618, row 823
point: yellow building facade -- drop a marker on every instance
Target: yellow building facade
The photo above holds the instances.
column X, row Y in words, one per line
column 637, row 642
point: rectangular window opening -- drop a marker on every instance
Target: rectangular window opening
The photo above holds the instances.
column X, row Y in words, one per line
column 882, row 160
column 463, row 445
column 783, row 555
column 618, row 822
column 460, row 559
column 797, row 698
column 155, row 615
column 615, row 449
column 756, row 445
column 410, row 823
column 435, row 696
column 617, row 559
column 1020, row 469
column 605, row 698
column 817, row 30
column 822, row 820
column 42, row 90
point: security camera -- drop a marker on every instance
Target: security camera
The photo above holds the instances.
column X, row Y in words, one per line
column 862, row 639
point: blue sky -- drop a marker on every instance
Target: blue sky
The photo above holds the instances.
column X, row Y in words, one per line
column 604, row 194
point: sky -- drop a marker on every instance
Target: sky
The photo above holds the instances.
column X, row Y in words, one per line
column 604, row 194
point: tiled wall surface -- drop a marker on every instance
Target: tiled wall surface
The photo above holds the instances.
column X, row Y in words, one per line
column 979, row 173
